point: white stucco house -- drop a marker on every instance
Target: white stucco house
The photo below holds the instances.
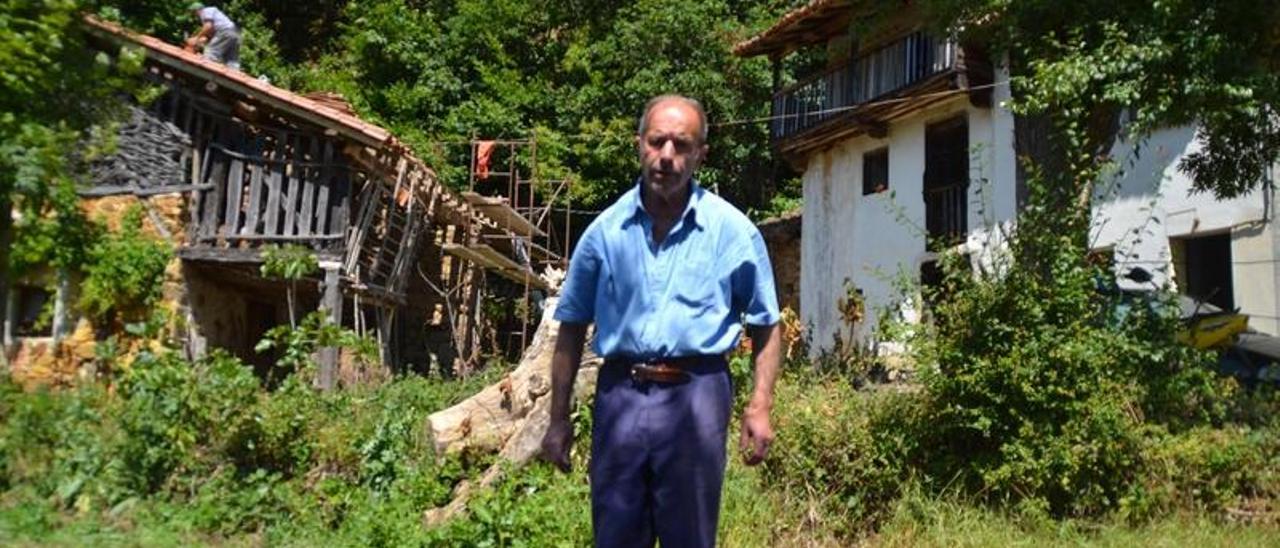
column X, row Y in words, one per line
column 903, row 139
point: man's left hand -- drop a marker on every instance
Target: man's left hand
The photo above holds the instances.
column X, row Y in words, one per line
column 757, row 435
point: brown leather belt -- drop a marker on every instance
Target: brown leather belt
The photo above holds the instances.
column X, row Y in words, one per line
column 660, row 371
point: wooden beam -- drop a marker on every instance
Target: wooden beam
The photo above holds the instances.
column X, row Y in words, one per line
column 232, row 255
column 276, row 237
column 100, row 191
column 535, row 250
column 501, row 212
column 489, row 259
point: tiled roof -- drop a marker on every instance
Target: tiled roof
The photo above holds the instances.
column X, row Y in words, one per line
column 798, row 27
column 195, row 64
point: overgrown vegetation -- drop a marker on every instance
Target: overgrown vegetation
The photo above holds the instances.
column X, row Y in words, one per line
column 206, row 445
column 1039, row 396
column 124, row 274
column 290, row 263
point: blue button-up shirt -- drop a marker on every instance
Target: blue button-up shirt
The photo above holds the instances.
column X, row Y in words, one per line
column 685, row 296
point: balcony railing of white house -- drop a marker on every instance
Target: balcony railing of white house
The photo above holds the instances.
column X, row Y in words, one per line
column 897, row 65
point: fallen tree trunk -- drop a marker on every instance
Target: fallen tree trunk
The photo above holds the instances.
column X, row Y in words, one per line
column 508, row 417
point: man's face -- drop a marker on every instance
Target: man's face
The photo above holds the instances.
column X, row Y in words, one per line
column 671, row 149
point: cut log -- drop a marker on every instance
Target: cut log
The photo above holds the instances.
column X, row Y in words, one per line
column 490, row 418
column 508, row 417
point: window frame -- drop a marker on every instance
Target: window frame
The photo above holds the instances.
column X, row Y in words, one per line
column 876, row 153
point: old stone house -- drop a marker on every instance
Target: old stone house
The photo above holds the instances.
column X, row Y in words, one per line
column 225, row 164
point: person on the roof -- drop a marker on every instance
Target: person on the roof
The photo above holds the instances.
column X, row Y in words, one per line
column 218, row 34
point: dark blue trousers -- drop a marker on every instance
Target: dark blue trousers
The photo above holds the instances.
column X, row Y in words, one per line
column 658, row 457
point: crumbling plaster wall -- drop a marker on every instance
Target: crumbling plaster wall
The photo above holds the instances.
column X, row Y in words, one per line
column 1151, row 200
column 874, row 239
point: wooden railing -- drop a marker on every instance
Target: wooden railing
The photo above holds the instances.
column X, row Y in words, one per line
column 946, row 212
column 886, row 70
column 252, row 198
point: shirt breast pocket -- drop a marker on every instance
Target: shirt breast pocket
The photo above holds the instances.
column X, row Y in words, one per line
column 697, row 284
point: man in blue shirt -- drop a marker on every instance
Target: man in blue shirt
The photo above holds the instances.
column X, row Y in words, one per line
column 220, row 36
column 667, row 274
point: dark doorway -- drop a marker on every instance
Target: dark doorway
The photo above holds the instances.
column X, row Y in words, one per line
column 1203, row 267
column 946, row 182
column 259, row 318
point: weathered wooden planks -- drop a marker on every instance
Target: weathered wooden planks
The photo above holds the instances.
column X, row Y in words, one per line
column 325, row 181
column 501, row 212
column 212, row 200
column 255, row 199
column 275, row 179
column 290, row 198
column 489, row 259
column 306, row 210
column 235, row 186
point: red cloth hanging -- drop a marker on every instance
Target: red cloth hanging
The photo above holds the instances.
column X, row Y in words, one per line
column 484, row 150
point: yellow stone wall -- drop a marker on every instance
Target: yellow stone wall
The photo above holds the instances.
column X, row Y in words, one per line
column 37, row 361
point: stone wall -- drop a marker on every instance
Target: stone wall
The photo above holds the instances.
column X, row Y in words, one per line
column 42, row 361
column 782, row 237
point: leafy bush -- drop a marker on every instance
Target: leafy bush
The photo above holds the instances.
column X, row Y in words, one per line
column 125, row 273
column 536, row 507
column 290, row 263
column 846, row 448
column 1039, row 394
column 1206, row 469
column 298, row 344
column 208, row 447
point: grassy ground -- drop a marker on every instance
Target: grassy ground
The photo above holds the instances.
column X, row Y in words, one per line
column 535, row 506
column 752, row 518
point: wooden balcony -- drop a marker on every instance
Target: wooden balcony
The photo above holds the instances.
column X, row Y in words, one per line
column 851, row 98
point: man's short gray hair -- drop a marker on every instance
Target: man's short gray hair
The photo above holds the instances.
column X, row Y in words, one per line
column 691, row 102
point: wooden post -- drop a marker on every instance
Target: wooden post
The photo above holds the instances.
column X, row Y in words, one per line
column 10, row 316
column 61, row 310
column 775, row 63
column 327, row 375
column 6, row 241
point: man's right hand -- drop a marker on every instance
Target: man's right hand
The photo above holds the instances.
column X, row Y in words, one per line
column 556, row 443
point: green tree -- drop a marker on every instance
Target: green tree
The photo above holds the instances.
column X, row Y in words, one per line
column 53, row 90
column 124, row 273
column 1077, row 67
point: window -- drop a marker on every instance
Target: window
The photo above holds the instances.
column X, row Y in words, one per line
column 30, row 307
column 1202, row 268
column 875, row 171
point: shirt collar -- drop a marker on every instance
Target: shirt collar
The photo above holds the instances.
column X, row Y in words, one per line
column 690, row 209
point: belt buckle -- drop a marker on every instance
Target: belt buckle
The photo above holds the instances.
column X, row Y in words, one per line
column 640, row 373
